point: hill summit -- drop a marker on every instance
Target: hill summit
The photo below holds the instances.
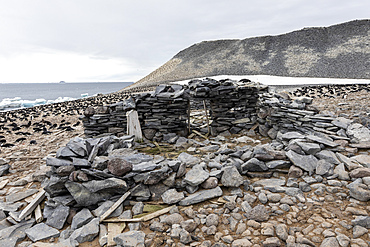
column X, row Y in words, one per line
column 338, row 51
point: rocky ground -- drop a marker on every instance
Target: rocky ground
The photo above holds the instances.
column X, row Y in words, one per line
column 273, row 208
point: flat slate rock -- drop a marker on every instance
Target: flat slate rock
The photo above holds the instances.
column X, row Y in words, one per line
column 41, row 231
column 58, row 217
column 201, row 196
column 361, row 145
column 322, row 141
column 87, row 232
column 20, row 195
column 305, row 162
column 11, row 235
column 131, row 238
column 196, row 175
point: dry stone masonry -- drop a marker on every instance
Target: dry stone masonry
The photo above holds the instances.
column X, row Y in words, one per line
column 233, row 107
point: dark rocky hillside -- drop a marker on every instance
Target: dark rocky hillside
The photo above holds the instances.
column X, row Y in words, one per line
column 338, row 51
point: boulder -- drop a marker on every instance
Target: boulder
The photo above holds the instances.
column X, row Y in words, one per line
column 119, row 166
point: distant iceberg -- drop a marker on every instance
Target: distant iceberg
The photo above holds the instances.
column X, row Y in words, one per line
column 17, row 103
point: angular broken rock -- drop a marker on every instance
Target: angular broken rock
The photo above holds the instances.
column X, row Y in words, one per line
column 201, row 196
column 360, row 172
column 196, row 175
column 87, row 232
column 4, row 169
column 81, row 218
column 92, row 192
column 359, row 191
column 41, row 231
column 253, row 165
column 188, row 159
column 172, row 196
column 131, row 238
column 358, row 133
column 258, row 213
column 306, row 162
column 58, row 217
column 231, row 177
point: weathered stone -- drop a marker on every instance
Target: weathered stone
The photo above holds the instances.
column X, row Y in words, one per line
column 350, row 164
column 100, row 163
column 271, row 242
column 278, row 164
column 135, row 159
column 360, row 172
column 4, row 169
column 171, row 219
column 358, row 231
column 141, row 190
column 55, row 186
column 51, row 161
column 172, row 196
column 340, row 170
column 241, row 243
column 65, row 170
column 144, row 167
column 210, row 183
column 130, row 239
column 99, row 211
column 92, row 192
column 87, row 232
column 81, row 218
column 328, row 155
column 330, row 242
column 359, row 191
column 41, row 231
column 58, row 217
column 358, row 133
column 119, row 166
column 258, row 213
column 188, row 159
column 324, row 168
column 362, row 159
column 196, row 175
column 292, row 135
column 322, row 140
column 212, row 220
column 363, row 221
column 201, row 196
column 306, row 162
column 253, row 165
column 11, row 235
column 154, row 177
column 20, row 195
column 309, row 148
column 231, row 177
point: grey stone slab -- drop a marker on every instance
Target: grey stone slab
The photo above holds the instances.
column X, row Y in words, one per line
column 20, row 195
column 87, row 232
column 196, row 175
column 322, row 140
column 41, row 231
column 81, row 218
column 305, row 162
column 130, row 239
column 201, row 196
column 58, row 217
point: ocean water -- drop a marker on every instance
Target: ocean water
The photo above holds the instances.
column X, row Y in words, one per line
column 17, row 95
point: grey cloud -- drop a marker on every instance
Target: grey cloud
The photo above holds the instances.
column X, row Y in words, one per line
column 148, row 33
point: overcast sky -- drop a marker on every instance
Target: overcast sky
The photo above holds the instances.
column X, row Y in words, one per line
column 124, row 40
